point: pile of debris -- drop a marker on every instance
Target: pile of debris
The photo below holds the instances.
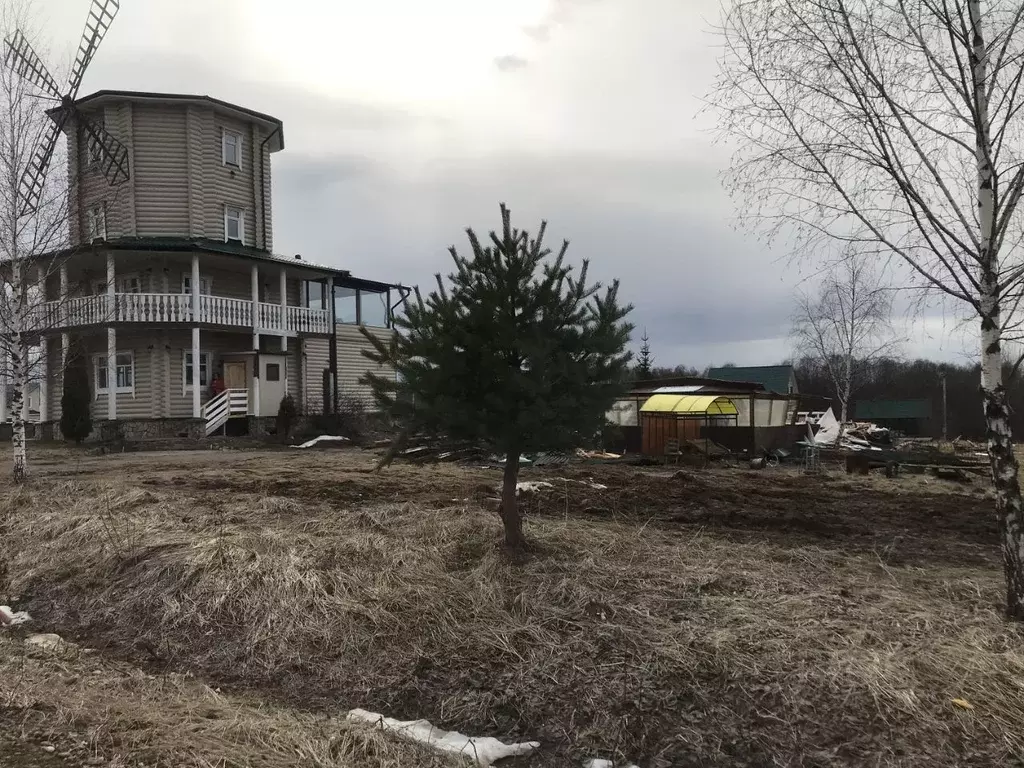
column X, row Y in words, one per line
column 434, row 451
column 852, row 436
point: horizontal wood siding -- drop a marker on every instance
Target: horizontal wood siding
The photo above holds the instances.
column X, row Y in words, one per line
column 161, row 170
column 93, row 188
column 225, row 185
column 55, row 375
column 316, row 359
column 352, row 366
column 198, row 136
column 267, row 201
column 137, row 405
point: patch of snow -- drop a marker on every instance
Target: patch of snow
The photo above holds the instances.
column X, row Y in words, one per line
column 598, row 762
column 485, row 750
column 10, row 617
column 588, row 483
column 322, row 439
column 531, row 486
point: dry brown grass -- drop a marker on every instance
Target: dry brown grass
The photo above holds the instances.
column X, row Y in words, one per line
column 689, row 639
column 90, row 706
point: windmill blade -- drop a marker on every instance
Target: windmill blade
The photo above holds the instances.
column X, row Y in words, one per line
column 22, row 58
column 33, row 179
column 111, row 153
column 101, row 16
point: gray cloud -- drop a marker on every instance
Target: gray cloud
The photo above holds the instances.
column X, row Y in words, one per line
column 510, row 63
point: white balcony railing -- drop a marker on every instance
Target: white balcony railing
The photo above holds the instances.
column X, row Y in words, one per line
column 161, row 308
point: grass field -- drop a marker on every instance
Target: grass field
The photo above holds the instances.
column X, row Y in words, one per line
column 240, row 603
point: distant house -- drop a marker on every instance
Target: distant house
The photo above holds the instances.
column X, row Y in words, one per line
column 779, row 379
column 680, row 407
column 911, row 417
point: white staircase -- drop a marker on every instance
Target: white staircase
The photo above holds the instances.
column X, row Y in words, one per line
column 217, row 410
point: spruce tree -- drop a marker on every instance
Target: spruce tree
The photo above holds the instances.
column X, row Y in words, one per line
column 75, row 401
column 645, row 360
column 513, row 352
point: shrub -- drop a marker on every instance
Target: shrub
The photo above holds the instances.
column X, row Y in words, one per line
column 76, row 401
column 286, row 413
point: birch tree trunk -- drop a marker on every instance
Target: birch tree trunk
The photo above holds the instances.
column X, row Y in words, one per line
column 19, row 371
column 1002, row 459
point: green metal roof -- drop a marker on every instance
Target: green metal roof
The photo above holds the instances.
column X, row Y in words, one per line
column 878, row 410
column 775, row 378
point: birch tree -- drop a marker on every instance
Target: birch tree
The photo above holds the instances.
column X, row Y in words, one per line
column 845, row 324
column 893, row 124
column 32, row 243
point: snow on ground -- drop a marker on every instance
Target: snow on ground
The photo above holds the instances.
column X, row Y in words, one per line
column 486, row 750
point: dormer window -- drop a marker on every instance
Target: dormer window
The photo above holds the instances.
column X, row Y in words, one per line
column 234, row 224
column 96, row 223
column 231, row 148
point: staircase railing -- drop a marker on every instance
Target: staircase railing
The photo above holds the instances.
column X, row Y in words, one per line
column 218, row 409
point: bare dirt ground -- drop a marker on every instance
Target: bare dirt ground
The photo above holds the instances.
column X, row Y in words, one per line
column 672, row 617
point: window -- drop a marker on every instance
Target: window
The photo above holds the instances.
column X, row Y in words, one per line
column 373, row 308
column 186, row 285
column 96, row 223
column 314, row 292
column 93, row 147
column 346, row 307
column 129, row 283
column 204, row 369
column 234, row 224
column 273, row 371
column 124, row 372
column 231, row 148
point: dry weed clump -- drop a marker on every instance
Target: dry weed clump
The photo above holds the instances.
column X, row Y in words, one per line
column 663, row 645
column 116, row 715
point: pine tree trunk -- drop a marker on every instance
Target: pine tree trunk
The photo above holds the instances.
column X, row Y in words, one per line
column 997, row 425
column 510, row 516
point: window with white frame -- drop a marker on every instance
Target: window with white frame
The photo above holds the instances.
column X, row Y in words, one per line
column 128, row 283
column 234, row 224
column 186, row 285
column 96, row 223
column 231, row 148
column 95, row 151
column 186, row 369
column 124, row 373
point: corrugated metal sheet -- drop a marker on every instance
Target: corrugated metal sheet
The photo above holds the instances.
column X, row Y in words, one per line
column 689, row 404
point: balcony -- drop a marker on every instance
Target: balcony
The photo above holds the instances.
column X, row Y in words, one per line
column 174, row 308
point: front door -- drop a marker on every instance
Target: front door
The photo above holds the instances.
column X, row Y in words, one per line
column 234, row 374
column 272, row 383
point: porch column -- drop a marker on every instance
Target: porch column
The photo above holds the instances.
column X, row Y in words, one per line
column 195, row 288
column 44, row 380
column 332, row 353
column 254, row 407
column 111, row 286
column 64, row 318
column 255, row 283
column 111, row 372
column 197, row 407
column 284, row 310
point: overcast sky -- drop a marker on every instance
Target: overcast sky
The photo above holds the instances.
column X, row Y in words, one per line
column 406, row 121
